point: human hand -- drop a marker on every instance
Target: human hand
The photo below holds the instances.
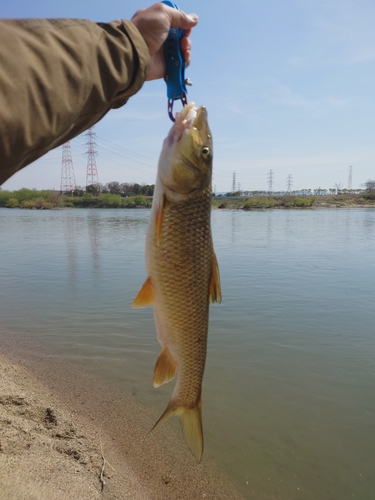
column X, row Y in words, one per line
column 154, row 24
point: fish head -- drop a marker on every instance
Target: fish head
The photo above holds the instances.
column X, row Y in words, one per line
column 186, row 161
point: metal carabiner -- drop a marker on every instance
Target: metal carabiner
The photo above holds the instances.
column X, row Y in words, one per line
column 175, row 67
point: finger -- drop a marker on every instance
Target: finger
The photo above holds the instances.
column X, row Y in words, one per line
column 187, row 57
column 179, row 19
column 185, row 43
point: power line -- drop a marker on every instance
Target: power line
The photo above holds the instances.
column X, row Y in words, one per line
column 234, row 183
column 126, row 149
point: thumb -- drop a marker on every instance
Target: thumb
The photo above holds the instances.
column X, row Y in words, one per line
column 179, row 19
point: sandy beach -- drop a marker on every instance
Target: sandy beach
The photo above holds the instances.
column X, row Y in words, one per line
column 59, row 426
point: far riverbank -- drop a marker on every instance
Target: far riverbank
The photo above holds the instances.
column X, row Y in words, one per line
column 44, row 200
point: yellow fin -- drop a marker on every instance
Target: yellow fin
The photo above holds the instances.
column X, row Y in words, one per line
column 145, row 295
column 191, row 421
column 215, row 289
column 159, row 217
column 165, row 368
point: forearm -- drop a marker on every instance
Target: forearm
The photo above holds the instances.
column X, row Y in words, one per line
column 59, row 77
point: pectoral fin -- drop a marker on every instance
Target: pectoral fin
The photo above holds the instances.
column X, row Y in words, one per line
column 145, row 295
column 215, row 289
column 165, row 368
column 159, row 217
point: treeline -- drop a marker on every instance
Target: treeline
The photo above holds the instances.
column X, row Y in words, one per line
column 123, row 189
column 32, row 198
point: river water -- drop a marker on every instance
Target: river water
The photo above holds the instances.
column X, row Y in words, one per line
column 289, row 387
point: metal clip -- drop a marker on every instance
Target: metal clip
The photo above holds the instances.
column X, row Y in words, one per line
column 175, row 67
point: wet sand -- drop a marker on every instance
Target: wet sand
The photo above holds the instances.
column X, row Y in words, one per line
column 59, row 425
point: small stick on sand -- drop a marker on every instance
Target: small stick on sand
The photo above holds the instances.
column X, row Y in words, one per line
column 101, row 477
column 101, row 474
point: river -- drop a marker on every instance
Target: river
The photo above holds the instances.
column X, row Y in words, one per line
column 289, row 387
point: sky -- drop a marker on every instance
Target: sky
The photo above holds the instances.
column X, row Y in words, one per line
column 288, row 86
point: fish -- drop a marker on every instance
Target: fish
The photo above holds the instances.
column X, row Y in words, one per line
column 182, row 271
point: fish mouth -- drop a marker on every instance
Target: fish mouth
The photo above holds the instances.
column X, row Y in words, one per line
column 200, row 118
column 190, row 117
column 185, row 119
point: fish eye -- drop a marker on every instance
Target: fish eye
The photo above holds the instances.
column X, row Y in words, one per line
column 205, row 152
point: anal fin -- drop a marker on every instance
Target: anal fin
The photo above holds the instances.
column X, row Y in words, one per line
column 145, row 295
column 165, row 368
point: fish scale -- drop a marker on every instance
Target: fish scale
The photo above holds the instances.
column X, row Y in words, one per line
column 186, row 239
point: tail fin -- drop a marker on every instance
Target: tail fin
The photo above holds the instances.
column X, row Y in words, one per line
column 191, row 421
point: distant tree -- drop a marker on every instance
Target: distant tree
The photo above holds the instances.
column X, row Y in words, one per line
column 114, row 187
column 93, row 189
column 338, row 187
column 147, row 190
column 370, row 186
column 125, row 189
column 79, row 191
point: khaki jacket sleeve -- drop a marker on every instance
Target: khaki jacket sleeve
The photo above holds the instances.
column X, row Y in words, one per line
column 58, row 77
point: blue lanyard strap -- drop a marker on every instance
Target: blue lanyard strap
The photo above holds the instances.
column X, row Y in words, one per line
column 175, row 67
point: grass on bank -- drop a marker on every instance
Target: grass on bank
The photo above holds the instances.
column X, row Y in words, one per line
column 263, row 202
column 34, row 199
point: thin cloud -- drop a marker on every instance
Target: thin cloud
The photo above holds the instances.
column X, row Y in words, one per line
column 284, row 96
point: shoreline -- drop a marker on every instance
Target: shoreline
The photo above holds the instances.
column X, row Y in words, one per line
column 58, row 423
